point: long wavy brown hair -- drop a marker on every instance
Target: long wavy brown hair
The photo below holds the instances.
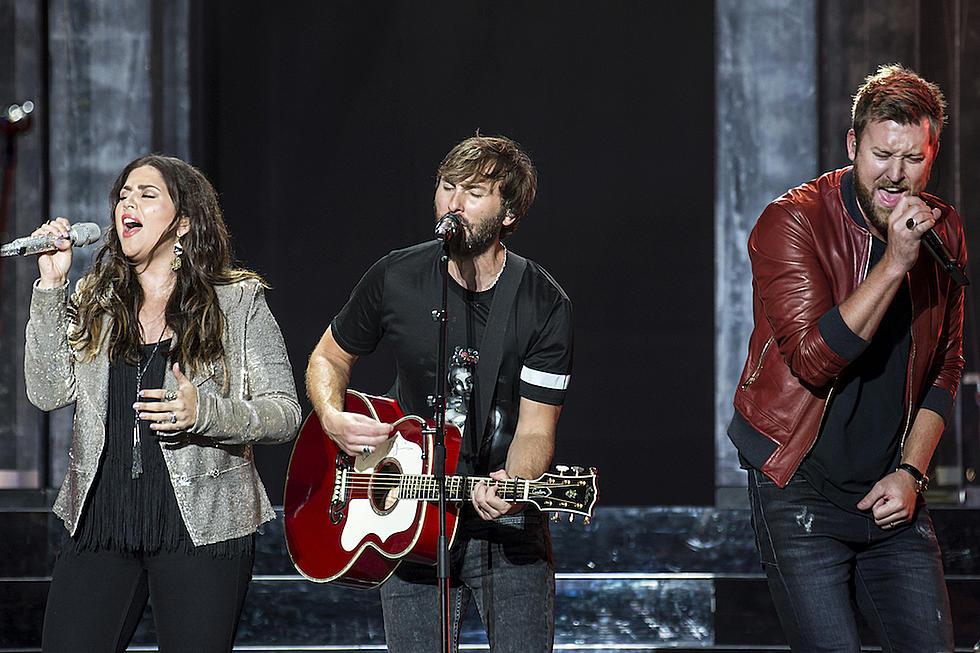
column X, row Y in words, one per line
column 112, row 289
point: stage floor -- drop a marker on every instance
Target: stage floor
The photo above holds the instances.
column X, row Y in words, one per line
column 635, row 579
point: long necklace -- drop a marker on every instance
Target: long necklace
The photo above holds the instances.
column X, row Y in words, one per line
column 137, row 469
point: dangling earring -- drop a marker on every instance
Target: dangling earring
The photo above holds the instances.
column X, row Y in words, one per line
column 175, row 263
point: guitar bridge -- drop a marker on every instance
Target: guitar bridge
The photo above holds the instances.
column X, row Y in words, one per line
column 341, row 495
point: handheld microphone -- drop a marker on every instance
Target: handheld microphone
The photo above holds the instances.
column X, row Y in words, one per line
column 447, row 227
column 80, row 235
column 941, row 253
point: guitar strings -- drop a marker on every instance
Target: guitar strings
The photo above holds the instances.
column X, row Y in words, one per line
column 357, row 479
column 423, row 487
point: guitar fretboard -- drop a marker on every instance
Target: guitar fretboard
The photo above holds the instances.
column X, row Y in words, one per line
column 424, row 487
column 550, row 492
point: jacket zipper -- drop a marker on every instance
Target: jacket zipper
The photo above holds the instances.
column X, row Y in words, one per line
column 758, row 367
column 908, row 390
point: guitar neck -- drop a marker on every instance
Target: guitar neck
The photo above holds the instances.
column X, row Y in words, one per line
column 459, row 488
column 550, row 493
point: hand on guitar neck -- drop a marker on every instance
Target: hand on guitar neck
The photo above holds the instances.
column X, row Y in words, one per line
column 486, row 502
column 528, row 456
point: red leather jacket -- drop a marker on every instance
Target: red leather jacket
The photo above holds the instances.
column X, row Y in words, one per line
column 808, row 255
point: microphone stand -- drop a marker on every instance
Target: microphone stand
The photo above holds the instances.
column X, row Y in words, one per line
column 439, row 451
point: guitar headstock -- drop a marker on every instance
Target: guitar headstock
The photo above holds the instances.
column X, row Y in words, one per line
column 572, row 489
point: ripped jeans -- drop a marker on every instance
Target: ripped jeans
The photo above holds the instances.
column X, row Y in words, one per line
column 820, row 560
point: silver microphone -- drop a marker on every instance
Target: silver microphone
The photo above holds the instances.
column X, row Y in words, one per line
column 447, row 227
column 80, row 235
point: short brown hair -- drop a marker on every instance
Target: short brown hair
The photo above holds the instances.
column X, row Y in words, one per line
column 896, row 93
column 499, row 160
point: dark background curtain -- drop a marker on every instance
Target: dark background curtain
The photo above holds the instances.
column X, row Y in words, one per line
column 322, row 123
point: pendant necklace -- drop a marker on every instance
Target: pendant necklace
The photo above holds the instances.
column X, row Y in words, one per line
column 137, row 468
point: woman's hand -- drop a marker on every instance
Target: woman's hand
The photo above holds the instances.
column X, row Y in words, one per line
column 54, row 266
column 176, row 410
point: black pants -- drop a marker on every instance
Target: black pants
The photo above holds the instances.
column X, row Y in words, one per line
column 96, row 601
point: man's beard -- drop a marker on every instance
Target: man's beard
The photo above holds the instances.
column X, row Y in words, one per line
column 479, row 240
column 878, row 215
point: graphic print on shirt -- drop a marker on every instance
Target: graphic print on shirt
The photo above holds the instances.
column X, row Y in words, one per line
column 462, row 369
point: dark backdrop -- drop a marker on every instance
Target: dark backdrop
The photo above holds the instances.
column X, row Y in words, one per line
column 321, row 124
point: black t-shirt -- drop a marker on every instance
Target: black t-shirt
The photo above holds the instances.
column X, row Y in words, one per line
column 394, row 301
column 860, row 438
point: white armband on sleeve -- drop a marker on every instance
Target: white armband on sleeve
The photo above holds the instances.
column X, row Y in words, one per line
column 545, row 379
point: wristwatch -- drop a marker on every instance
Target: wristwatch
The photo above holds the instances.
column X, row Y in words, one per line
column 921, row 480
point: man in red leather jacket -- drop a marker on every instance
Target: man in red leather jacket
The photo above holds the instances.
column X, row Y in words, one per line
column 853, row 364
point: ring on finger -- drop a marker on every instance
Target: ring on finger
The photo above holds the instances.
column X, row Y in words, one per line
column 170, row 395
column 365, row 450
column 173, row 418
column 910, row 224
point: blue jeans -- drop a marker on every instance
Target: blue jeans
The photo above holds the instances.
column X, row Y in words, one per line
column 505, row 565
column 821, row 560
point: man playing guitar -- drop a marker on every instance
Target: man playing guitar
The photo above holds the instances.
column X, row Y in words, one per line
column 503, row 308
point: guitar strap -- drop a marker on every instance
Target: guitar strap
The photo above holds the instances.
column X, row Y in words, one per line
column 491, row 354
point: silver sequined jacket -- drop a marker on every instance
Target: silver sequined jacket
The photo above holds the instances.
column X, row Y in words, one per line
column 218, row 489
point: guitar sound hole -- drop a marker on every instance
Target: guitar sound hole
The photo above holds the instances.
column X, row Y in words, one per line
column 384, row 487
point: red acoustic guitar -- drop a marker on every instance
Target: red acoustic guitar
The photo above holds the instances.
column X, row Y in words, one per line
column 352, row 519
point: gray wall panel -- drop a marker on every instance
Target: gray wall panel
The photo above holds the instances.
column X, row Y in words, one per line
column 766, row 142
column 109, row 64
column 100, row 120
column 20, row 80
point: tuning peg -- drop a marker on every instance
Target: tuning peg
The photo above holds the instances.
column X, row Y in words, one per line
column 571, row 518
column 586, row 520
column 577, row 470
column 561, row 469
column 556, row 516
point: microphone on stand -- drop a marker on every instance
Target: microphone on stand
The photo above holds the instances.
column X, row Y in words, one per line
column 80, row 235
column 17, row 118
column 447, row 227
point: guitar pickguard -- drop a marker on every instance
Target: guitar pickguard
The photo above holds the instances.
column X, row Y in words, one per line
column 364, row 517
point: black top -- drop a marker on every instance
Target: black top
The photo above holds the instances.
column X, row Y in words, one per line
column 394, row 301
column 138, row 515
column 860, row 438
